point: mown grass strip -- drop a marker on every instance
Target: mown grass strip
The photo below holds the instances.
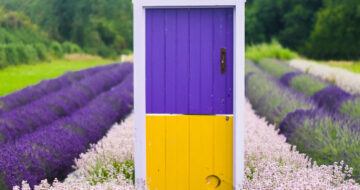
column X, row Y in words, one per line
column 17, row 77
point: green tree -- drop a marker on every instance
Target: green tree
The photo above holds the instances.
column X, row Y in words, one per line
column 337, row 31
column 291, row 21
column 299, row 22
column 96, row 25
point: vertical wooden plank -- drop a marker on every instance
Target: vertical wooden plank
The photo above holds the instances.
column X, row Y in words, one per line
column 182, row 62
column 148, row 64
column 170, row 61
column 195, row 62
column 201, row 151
column 223, row 150
column 230, row 60
column 219, row 42
column 155, row 152
column 206, row 56
column 158, row 61
column 177, row 152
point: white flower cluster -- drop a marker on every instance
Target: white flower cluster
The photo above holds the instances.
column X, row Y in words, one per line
column 102, row 160
column 271, row 163
column 343, row 78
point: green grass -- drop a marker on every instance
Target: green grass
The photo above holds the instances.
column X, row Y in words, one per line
column 17, row 77
column 349, row 65
column 271, row 50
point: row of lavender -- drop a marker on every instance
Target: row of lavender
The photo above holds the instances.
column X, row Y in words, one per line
column 324, row 93
column 32, row 93
column 80, row 114
column 64, row 102
column 315, row 127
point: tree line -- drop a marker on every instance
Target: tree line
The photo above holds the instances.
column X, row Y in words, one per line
column 22, row 42
column 102, row 27
column 320, row 29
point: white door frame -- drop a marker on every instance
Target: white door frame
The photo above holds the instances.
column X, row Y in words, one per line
column 140, row 7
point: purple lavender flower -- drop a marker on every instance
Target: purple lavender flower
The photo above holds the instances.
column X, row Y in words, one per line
column 292, row 120
column 287, row 77
column 59, row 104
column 32, row 93
column 49, row 152
column 330, row 98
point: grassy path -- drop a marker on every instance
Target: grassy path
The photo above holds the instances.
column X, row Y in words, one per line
column 16, row 77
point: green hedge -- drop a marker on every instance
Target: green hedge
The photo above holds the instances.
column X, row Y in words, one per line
column 69, row 47
column 15, row 54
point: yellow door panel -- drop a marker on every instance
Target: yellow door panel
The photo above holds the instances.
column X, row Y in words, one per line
column 177, row 153
column 189, row 152
column 224, row 146
column 201, row 151
column 155, row 154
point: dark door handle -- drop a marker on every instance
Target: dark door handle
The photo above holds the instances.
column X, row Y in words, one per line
column 223, row 60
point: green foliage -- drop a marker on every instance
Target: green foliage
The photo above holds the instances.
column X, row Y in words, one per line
column 291, row 21
column 12, row 56
column 98, row 27
column 105, row 172
column 337, row 31
column 351, row 108
column 56, row 49
column 26, row 53
column 69, row 47
column 41, row 51
column 21, row 42
column 3, row 59
column 272, row 50
column 275, row 67
column 307, row 84
column 320, row 29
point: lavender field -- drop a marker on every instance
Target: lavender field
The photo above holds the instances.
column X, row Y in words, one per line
column 316, row 115
column 46, row 126
column 62, row 134
column 270, row 162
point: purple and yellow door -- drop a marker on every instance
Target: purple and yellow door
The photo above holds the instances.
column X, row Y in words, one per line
column 189, row 98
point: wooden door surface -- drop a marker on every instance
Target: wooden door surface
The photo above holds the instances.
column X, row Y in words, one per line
column 189, row 98
column 183, row 70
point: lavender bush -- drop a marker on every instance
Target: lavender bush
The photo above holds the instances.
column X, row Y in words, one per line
column 250, row 67
column 351, row 108
column 276, row 67
column 59, row 104
column 325, row 138
column 290, row 76
column 287, row 77
column 49, row 152
column 308, row 84
column 331, row 98
column 272, row 99
column 324, row 94
column 32, row 93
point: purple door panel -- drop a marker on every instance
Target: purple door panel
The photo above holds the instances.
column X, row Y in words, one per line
column 183, row 48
